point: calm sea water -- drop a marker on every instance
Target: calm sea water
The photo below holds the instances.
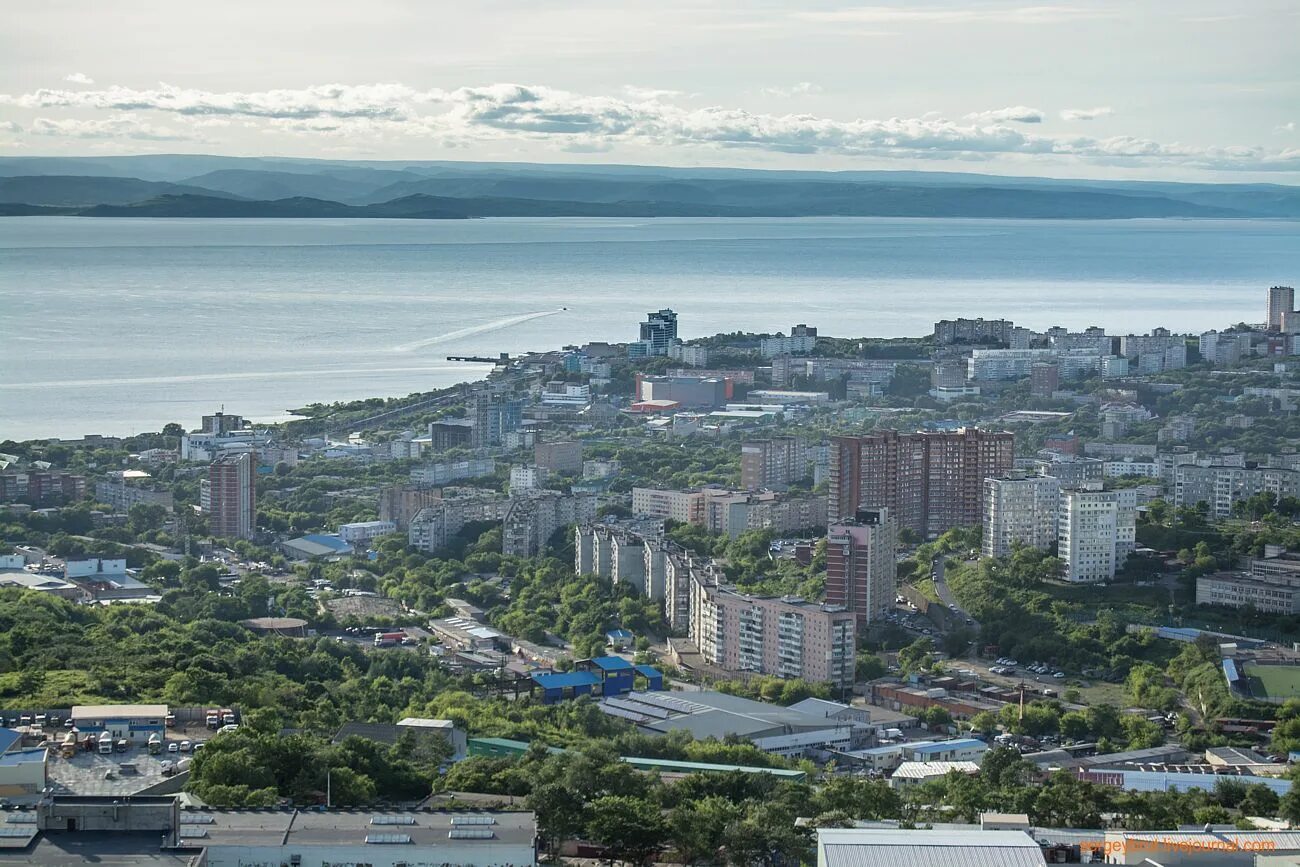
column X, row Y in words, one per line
column 119, row 326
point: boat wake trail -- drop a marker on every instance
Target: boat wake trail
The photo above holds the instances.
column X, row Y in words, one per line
column 495, row 325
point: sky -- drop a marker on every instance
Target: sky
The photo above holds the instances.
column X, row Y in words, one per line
column 1137, row 89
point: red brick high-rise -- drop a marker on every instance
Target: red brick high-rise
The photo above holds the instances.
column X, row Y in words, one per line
column 930, row 481
column 861, row 565
column 232, row 481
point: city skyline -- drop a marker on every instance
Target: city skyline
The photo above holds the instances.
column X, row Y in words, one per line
column 1096, row 89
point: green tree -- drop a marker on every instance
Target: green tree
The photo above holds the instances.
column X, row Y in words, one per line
column 632, row 829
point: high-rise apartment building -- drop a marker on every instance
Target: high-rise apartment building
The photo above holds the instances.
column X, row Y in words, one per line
column 1020, row 512
column 494, row 416
column 1044, row 378
column 861, row 565
column 1095, row 533
column 232, row 495
column 929, row 481
column 559, row 457
column 531, row 520
column 785, row 637
column 972, row 331
column 1281, row 301
column 659, row 331
column 401, row 503
column 772, row 463
column 782, row 636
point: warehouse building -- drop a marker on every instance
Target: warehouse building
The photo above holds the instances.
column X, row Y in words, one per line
column 146, row 830
column 133, row 722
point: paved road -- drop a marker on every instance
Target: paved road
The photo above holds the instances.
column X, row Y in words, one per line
column 945, row 592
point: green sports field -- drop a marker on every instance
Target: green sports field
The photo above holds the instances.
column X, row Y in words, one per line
column 1276, row 682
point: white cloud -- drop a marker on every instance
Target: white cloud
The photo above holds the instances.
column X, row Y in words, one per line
column 327, row 100
column 79, row 78
column 116, row 127
column 1289, row 126
column 1016, row 113
column 997, row 14
column 650, row 93
column 1076, row 114
column 803, row 88
column 361, row 115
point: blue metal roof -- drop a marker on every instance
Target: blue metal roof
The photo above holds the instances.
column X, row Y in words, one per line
column 22, row 757
column 648, row 671
column 8, row 737
column 328, row 541
column 611, row 663
column 944, row 746
column 560, row 680
column 1230, row 671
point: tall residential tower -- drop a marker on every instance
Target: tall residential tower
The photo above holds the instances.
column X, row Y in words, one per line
column 232, row 481
column 929, row 481
column 861, row 565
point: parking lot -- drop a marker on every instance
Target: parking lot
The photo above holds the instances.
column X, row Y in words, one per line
column 131, row 772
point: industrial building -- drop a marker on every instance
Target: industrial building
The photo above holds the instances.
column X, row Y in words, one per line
column 910, row 774
column 708, row 714
column 133, row 722
column 889, row 847
column 143, row 830
column 601, row 676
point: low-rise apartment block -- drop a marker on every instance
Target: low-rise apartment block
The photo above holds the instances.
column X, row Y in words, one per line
column 446, row 472
column 361, row 533
column 1269, row 584
column 121, row 491
column 1220, row 486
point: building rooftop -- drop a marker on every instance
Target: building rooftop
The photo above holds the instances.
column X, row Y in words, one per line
column 869, row 847
column 922, row 770
column 118, row 711
column 9, row 737
column 319, row 545
column 820, row 707
column 103, row 849
column 36, row 755
column 711, row 714
column 1234, row 756
column 611, row 663
column 426, row 723
column 273, row 827
column 924, row 747
column 560, row 680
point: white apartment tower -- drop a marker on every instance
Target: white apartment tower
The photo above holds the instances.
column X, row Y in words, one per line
column 1095, row 533
column 1020, row 511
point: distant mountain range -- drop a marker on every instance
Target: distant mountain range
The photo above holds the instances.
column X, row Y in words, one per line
column 208, row 186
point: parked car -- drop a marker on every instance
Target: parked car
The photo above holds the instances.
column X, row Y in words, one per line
column 185, row 746
column 173, row 746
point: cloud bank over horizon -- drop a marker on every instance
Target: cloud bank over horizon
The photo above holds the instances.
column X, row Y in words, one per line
column 377, row 115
